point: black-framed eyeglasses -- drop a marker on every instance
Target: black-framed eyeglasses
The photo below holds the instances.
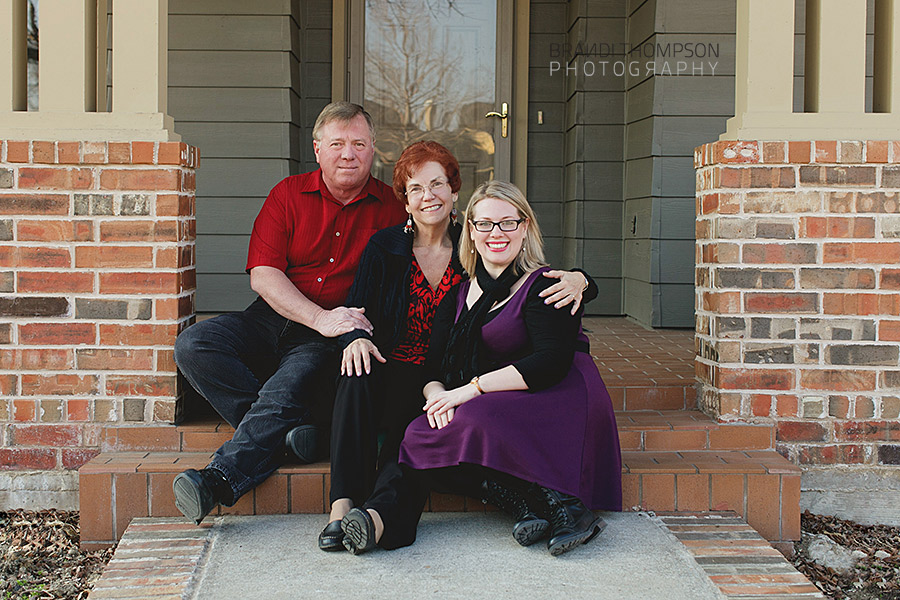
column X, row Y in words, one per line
column 488, row 226
column 417, row 191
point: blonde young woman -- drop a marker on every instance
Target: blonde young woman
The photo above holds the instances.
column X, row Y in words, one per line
column 515, row 409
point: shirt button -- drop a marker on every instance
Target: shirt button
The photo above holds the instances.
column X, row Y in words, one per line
column 319, row 280
column 330, row 260
column 337, row 233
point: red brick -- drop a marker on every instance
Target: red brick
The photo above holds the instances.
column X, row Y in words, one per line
column 17, row 152
column 16, row 203
column 779, row 253
column 138, row 335
column 170, row 153
column 55, row 231
column 139, row 231
column 790, row 507
column 78, row 410
column 139, row 283
column 69, row 152
column 867, row 431
column 165, row 361
column 56, row 282
column 693, row 492
column 800, row 431
column 95, row 153
column 837, row 227
column 889, row 331
column 798, row 152
column 862, row 252
column 95, row 492
column 861, row 304
column 75, row 459
column 103, row 359
column 23, row 459
column 658, row 491
column 675, row 440
column 130, row 439
column 773, row 152
column 58, row 385
column 131, row 499
column 839, row 380
column 46, row 435
column 162, row 499
column 307, row 493
column 113, row 256
column 55, row 179
column 119, row 152
column 740, row 437
column 877, row 151
column 43, row 152
column 57, row 333
column 36, row 359
column 847, row 454
column 728, row 492
column 140, row 179
column 31, row 256
column 780, row 303
column 764, row 505
column 890, row 279
column 140, row 385
column 825, row 152
column 24, row 410
column 142, row 153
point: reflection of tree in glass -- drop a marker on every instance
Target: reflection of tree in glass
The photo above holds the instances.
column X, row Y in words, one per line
column 420, row 85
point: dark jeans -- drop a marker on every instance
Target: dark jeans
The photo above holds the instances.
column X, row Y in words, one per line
column 385, row 400
column 264, row 375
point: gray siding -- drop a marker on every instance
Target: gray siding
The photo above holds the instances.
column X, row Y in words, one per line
column 666, row 117
column 244, row 78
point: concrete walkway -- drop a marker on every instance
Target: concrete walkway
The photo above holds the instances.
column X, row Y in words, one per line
column 457, row 555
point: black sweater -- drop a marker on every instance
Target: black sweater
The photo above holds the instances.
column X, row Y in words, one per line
column 381, row 286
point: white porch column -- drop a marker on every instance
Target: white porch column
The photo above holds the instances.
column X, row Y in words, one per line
column 140, row 66
column 836, row 56
column 886, row 97
column 13, row 81
column 68, row 55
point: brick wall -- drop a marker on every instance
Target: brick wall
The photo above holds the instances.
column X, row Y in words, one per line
column 96, row 279
column 798, row 294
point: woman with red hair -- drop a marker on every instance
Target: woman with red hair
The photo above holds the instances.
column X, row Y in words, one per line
column 404, row 273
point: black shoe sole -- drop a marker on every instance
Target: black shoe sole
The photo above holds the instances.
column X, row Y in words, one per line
column 303, row 441
column 529, row 532
column 359, row 531
column 562, row 544
column 187, row 498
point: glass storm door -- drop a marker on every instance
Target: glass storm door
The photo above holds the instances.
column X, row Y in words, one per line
column 431, row 69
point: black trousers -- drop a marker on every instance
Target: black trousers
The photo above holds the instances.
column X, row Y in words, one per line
column 386, row 401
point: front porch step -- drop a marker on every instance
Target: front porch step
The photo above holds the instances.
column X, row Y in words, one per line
column 672, row 461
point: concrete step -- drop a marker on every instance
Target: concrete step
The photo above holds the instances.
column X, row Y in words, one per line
column 672, row 460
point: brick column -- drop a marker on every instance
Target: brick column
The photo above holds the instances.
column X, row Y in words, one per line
column 798, row 294
column 97, row 278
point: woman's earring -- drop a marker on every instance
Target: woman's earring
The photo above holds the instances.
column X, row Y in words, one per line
column 408, row 228
column 453, row 216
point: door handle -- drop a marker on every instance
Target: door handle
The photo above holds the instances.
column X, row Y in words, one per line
column 503, row 116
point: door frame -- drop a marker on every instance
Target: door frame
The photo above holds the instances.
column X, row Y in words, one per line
column 347, row 61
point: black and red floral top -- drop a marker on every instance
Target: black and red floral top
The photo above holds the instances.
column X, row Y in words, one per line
column 423, row 303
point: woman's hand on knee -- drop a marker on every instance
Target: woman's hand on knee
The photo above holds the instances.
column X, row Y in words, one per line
column 441, row 406
column 357, row 357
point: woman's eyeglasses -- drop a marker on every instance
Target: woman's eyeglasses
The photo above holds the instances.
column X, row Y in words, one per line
column 417, row 191
column 488, row 226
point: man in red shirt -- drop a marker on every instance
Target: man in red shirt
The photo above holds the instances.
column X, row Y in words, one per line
column 304, row 250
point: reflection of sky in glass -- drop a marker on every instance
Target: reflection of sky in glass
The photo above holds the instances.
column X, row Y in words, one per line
column 428, row 60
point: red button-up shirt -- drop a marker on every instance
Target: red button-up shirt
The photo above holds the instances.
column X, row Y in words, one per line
column 317, row 241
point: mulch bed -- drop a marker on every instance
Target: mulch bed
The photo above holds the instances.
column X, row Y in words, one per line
column 872, row 578
column 40, row 557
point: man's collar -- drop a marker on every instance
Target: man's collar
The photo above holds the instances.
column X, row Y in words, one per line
column 317, row 183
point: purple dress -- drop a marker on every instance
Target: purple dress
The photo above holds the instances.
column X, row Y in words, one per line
column 563, row 437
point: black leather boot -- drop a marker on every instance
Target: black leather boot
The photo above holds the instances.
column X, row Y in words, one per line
column 198, row 492
column 529, row 527
column 572, row 524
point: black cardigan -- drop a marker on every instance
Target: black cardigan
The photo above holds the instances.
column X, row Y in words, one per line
column 381, row 286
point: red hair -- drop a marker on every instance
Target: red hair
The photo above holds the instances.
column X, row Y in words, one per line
column 418, row 154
